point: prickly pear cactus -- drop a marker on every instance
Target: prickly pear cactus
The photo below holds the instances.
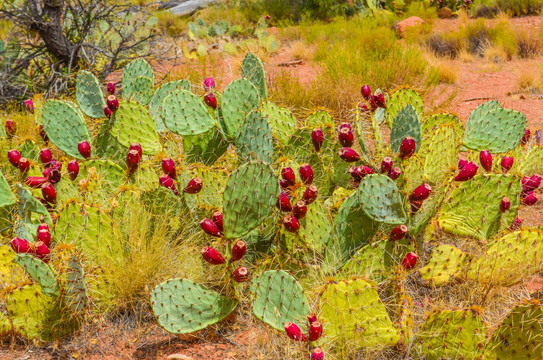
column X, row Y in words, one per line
column 446, row 263
column 238, row 99
column 406, row 123
column 381, row 200
column 531, row 162
column 473, row 208
column 452, row 334
column 419, row 220
column 511, row 258
column 133, row 124
column 183, row 307
column 368, row 262
column 30, row 211
column 133, row 71
column 278, row 298
column 74, row 285
column 440, row 153
column 351, row 310
column 40, row 272
column 253, row 70
column 206, row 148
column 255, row 140
column 493, row 128
column 281, row 120
column 520, row 334
column 10, row 273
column 65, row 126
column 399, row 99
column 7, row 197
column 88, row 94
column 155, row 104
column 140, row 90
column 180, row 108
column 249, row 198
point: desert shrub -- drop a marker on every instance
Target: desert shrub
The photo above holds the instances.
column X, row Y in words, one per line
column 443, row 45
column 528, row 44
column 520, row 7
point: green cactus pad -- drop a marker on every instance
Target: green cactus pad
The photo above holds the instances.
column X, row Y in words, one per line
column 136, row 69
column 74, row 285
column 520, row 334
column 107, row 147
column 155, row 105
column 29, row 150
column 473, row 208
column 255, row 140
column 209, row 198
column 183, row 307
column 140, row 90
column 281, row 121
column 318, row 119
column 65, row 126
column 368, row 262
column 31, row 208
column 179, row 111
column 530, row 163
column 399, row 100
column 446, row 263
column 10, row 273
column 249, row 198
column 238, row 99
column 133, row 124
column 88, row 94
column 5, row 324
column 253, row 70
column 7, row 197
column 419, row 220
column 451, row 334
column 103, row 174
column 498, row 130
column 440, row 153
column 381, row 200
column 511, row 258
column 406, row 123
column 352, row 310
column 40, row 272
column 436, row 121
column 205, row 148
column 160, row 201
column 278, row 298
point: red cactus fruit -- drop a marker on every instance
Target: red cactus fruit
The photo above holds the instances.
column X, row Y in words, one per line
column 111, row 88
column 363, row 108
column 398, row 233
column 42, row 251
column 415, row 206
column 238, row 250
column 29, row 105
column 73, row 169
column 20, row 246
column 366, row 92
column 344, row 125
column 217, row 219
column 24, row 165
column 209, row 84
column 84, row 149
column 310, row 194
column 380, row 100
column 284, row 184
column 43, row 226
column 530, row 198
column 10, row 127
column 526, row 137
column 49, row 193
column 421, row 193
column 137, row 147
column 485, row 158
column 35, row 182
column 530, row 183
column 306, row 174
column 14, row 156
column 346, row 137
column 299, row 210
column 288, row 175
column 506, row 163
column 462, row 163
column 517, row 223
column 168, row 166
column 348, row 154
column 316, row 354
column 294, row 332
column 311, row 318
column 210, row 100
column 47, row 172
column 353, row 170
column 107, row 112
column 132, row 161
column 44, row 236
column 395, row 173
column 407, row 148
column 317, row 137
column 315, row 331
column 194, row 186
column 291, row 224
column 46, row 156
column 467, row 172
column 210, row 228
column 283, row 203
column 409, row 261
column 364, row 170
column 386, row 165
column 112, row 103
column 54, row 175
column 167, row 182
column 505, row 204
column 212, row 256
column 43, row 134
column 240, row 275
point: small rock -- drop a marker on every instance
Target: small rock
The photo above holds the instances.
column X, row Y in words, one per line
column 444, row 13
column 408, row 23
column 179, row 357
column 522, row 97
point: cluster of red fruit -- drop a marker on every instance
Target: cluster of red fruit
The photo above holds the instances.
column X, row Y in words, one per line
column 39, row 249
column 170, row 174
column 209, row 98
column 376, row 100
column 288, row 184
column 313, row 334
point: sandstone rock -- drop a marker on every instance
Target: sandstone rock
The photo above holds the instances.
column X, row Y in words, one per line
column 179, row 357
column 444, row 13
column 408, row 23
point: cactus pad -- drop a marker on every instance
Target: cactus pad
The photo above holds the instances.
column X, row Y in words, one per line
column 381, row 200
column 74, row 285
column 399, row 100
column 65, row 126
column 179, row 111
column 31, row 208
column 40, row 272
column 89, row 96
column 253, row 70
column 140, row 90
column 278, row 298
column 7, row 197
column 452, row 334
column 249, row 198
column 183, row 307
column 352, row 310
column 255, row 140
column 406, row 123
column 133, row 124
column 280, row 119
column 155, row 105
column 136, row 69
column 205, row 148
column 238, row 99
column 473, row 208
column 447, row 262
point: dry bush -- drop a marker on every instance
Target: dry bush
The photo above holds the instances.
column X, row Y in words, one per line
column 444, row 46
